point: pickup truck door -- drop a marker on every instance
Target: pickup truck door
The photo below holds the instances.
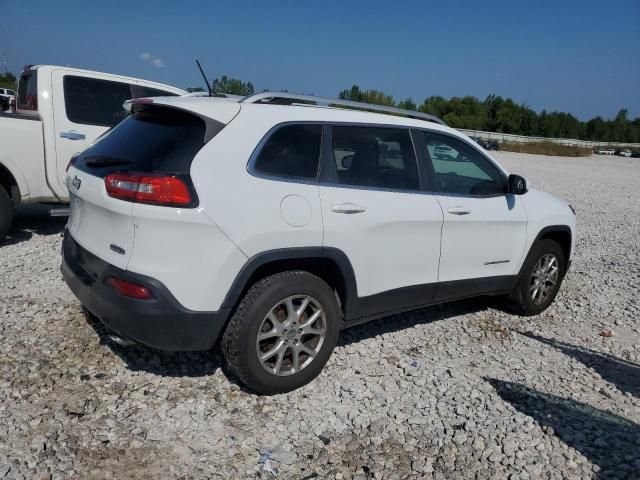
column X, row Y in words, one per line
column 84, row 107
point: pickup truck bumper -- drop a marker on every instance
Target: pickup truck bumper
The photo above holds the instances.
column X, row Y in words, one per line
column 160, row 322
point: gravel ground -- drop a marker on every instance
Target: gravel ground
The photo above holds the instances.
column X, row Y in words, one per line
column 456, row 391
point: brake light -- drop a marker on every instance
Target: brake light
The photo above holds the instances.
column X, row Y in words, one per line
column 129, row 289
column 153, row 189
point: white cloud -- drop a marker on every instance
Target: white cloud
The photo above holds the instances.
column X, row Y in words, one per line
column 148, row 57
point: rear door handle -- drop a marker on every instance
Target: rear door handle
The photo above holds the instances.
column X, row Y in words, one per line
column 72, row 135
column 348, row 208
column 459, row 210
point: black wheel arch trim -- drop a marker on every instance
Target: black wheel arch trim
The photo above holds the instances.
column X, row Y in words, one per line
column 552, row 229
column 336, row 255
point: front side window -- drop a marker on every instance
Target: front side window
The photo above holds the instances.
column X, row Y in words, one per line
column 460, row 168
column 93, row 101
column 375, row 157
column 291, row 151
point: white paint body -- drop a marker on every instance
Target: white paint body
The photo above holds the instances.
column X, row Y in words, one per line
column 397, row 240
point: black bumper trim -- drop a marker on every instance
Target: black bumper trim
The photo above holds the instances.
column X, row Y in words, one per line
column 161, row 322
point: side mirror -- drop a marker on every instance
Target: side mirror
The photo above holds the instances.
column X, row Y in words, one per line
column 516, row 185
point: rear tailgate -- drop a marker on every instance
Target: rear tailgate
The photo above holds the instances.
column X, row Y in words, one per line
column 101, row 224
column 156, row 141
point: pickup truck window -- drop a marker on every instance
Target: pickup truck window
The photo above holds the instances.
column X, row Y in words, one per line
column 154, row 92
column 92, row 101
column 28, row 88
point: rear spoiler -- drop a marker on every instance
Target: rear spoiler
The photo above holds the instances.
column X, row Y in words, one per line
column 212, row 127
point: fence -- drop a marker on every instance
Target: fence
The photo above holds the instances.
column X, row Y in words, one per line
column 507, row 137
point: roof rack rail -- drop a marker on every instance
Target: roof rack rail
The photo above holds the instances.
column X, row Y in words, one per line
column 285, row 98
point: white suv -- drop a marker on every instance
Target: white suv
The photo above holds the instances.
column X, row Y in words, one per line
column 271, row 222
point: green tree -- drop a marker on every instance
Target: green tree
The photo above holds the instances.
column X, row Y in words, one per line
column 408, row 104
column 8, row 80
column 367, row 96
column 232, row 86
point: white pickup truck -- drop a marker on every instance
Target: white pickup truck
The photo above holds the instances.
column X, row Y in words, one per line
column 59, row 112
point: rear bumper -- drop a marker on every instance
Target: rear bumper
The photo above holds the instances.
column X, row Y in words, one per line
column 160, row 322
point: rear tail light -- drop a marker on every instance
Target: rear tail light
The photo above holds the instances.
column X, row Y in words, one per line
column 153, row 189
column 129, row 289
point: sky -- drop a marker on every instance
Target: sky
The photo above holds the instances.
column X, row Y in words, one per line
column 581, row 57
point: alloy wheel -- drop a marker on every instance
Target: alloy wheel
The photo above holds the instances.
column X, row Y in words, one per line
column 544, row 278
column 291, row 335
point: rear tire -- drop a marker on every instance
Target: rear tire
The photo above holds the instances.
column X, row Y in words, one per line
column 539, row 281
column 282, row 333
column 6, row 212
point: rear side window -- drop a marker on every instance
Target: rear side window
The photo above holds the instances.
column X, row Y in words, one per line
column 291, row 151
column 93, row 101
column 375, row 157
column 151, row 140
column 28, row 88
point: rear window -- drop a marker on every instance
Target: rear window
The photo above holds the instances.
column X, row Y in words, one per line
column 28, row 88
column 93, row 101
column 151, row 140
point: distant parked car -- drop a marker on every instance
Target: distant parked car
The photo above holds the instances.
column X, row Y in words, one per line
column 7, row 98
column 625, row 153
column 605, row 151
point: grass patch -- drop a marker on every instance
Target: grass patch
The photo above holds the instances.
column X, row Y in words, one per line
column 546, row 148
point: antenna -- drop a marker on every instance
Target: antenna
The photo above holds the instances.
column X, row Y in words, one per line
column 205, row 79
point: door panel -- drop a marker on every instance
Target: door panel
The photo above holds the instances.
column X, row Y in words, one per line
column 392, row 242
column 481, row 237
column 373, row 210
column 89, row 106
column 484, row 230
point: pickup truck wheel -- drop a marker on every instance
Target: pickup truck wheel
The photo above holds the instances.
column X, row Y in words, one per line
column 540, row 279
column 6, row 212
column 282, row 333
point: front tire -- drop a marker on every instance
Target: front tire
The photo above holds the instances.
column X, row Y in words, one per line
column 282, row 333
column 6, row 212
column 540, row 279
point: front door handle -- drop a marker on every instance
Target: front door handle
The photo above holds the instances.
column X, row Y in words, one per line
column 72, row 135
column 459, row 210
column 348, row 208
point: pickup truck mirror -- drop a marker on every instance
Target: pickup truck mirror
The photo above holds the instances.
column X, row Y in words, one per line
column 516, row 185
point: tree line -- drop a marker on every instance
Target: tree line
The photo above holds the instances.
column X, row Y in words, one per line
column 497, row 114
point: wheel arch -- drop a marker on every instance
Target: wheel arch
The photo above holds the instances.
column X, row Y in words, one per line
column 10, row 183
column 561, row 234
column 330, row 264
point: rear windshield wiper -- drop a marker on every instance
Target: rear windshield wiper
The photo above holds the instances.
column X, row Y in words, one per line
column 99, row 162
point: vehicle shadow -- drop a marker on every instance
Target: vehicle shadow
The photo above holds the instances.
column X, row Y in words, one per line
column 607, row 440
column 623, row 374
column 394, row 323
column 138, row 357
column 30, row 220
column 198, row 364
